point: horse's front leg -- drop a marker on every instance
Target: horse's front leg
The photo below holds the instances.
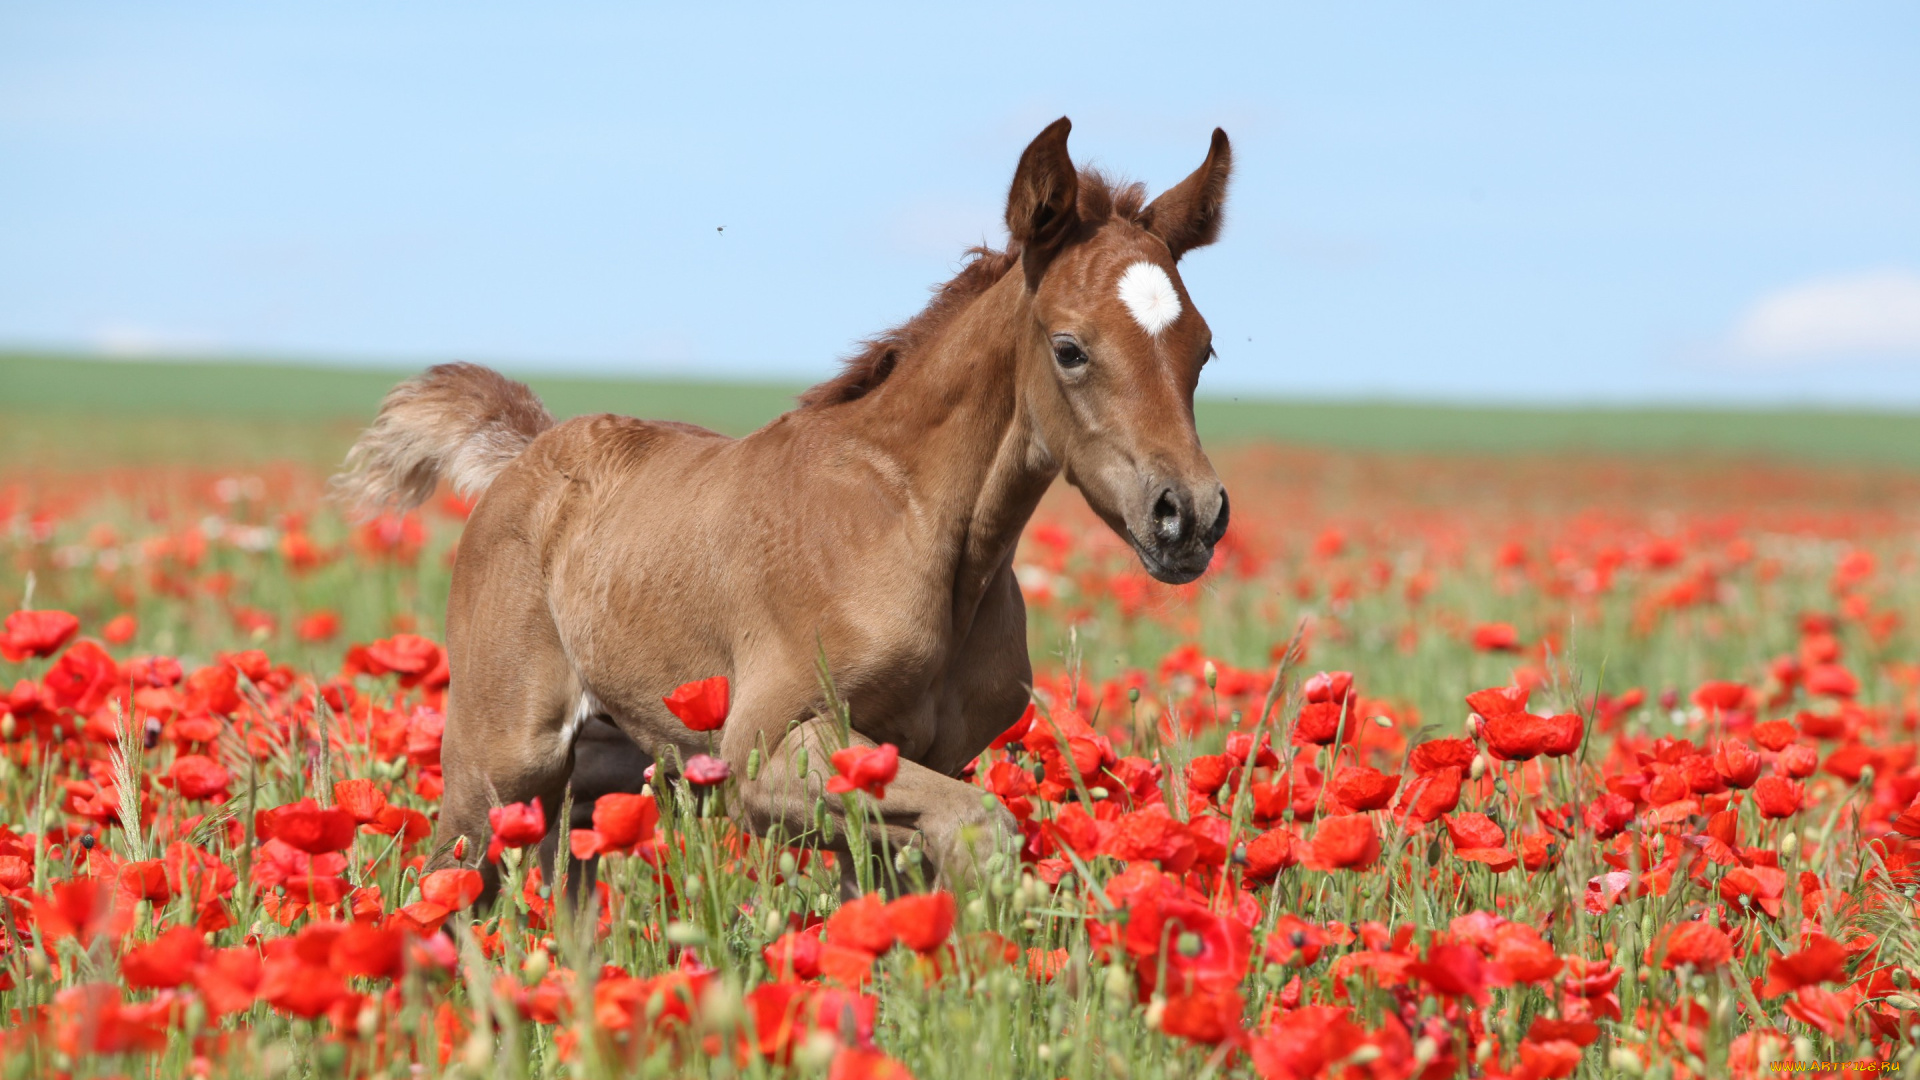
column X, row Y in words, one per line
column 957, row 826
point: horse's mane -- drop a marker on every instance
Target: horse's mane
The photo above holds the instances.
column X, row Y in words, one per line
column 1100, row 200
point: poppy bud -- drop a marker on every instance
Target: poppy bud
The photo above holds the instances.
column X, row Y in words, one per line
column 460, row 848
column 1624, row 1060
column 479, row 1051
column 1479, row 767
column 1212, row 674
column 800, row 762
column 1133, row 695
column 753, row 764
column 536, row 966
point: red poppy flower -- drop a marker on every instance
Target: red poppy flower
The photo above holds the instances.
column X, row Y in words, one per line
column 82, row 678
column 1548, row 1059
column 360, row 799
column 518, row 824
column 455, row 888
column 1208, row 773
column 317, row 627
column 1307, row 1041
column 1150, row 834
column 1454, row 970
column 1347, row 842
column 1829, row 1011
column 306, row 826
column 621, row 822
column 146, row 880
column 1319, row 723
column 1496, row 637
column 1271, row 852
column 228, row 979
column 922, row 922
column 1329, row 686
column 1295, row 942
column 1779, row 797
column 1359, row 787
column 196, row 777
column 1196, row 947
column 296, row 984
column 165, row 962
column 1524, row 956
column 855, row 1063
column 82, row 910
column 406, row 654
column 795, row 954
column 370, row 951
column 1831, row 680
column 1822, row 959
column 1473, row 830
column 1698, row 944
column 1761, row 888
column 1498, row 701
column 862, row 923
column 1433, row 794
column 441, row 894
column 701, row 705
column 1721, row 696
column 1522, row 736
column 868, row 769
column 1206, row 1016
column 1436, row 754
column 120, row 629
column 1737, row 763
column 704, row 770
column 32, row 634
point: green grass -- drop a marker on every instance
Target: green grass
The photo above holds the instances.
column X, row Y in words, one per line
column 74, row 412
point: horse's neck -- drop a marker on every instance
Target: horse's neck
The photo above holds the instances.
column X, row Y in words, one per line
column 952, row 415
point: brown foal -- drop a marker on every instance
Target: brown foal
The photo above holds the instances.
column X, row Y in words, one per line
column 610, row 559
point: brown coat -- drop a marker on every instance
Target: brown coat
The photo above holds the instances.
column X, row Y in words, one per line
column 611, row 559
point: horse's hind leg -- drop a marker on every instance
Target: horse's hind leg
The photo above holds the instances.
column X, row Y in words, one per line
column 512, row 710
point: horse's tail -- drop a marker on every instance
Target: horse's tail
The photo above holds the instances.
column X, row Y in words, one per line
column 462, row 422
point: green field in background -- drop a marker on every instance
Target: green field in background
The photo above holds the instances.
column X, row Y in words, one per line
column 70, row 412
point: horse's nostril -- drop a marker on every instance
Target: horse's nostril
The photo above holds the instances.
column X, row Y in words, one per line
column 1169, row 525
column 1219, row 527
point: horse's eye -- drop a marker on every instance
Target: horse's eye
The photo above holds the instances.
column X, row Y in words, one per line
column 1068, row 353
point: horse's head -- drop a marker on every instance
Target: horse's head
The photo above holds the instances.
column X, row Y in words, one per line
column 1116, row 347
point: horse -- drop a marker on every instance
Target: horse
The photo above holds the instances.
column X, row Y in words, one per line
column 872, row 529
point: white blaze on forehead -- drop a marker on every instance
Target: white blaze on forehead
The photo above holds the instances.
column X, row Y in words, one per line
column 1148, row 293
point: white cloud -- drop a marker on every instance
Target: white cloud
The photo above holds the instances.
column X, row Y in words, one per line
column 1866, row 316
column 123, row 341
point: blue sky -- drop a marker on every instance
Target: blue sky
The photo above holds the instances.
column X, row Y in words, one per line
column 1703, row 202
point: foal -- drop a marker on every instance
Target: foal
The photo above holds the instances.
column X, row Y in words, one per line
column 610, row 559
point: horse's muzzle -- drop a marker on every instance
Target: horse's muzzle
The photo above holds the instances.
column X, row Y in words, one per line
column 1182, row 529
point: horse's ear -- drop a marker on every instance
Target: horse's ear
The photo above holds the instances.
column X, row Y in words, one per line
column 1042, row 207
column 1187, row 215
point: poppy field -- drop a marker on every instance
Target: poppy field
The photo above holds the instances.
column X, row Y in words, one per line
column 1512, row 766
